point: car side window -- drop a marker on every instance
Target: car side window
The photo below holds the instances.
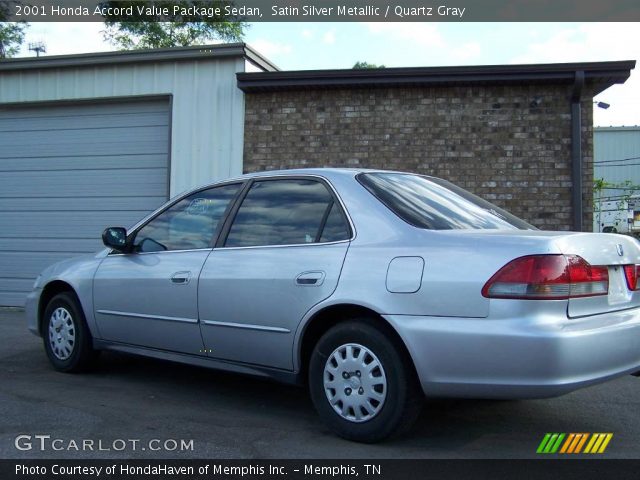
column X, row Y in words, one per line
column 286, row 212
column 189, row 224
column 336, row 227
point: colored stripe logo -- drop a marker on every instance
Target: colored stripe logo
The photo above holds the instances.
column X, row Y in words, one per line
column 574, row 443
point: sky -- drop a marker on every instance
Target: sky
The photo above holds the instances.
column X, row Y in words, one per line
column 304, row 46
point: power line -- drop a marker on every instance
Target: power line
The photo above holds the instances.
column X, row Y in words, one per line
column 616, row 160
column 620, row 160
column 618, row 165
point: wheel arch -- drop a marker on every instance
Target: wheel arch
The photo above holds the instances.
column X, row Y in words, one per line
column 48, row 292
column 328, row 317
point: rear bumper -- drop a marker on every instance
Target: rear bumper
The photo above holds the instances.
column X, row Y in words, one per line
column 519, row 357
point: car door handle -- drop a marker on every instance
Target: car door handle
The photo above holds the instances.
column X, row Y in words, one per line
column 181, row 278
column 310, row 279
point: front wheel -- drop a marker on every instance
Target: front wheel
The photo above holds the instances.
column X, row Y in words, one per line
column 66, row 337
column 362, row 383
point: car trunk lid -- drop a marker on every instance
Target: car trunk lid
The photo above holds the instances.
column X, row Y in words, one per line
column 612, row 251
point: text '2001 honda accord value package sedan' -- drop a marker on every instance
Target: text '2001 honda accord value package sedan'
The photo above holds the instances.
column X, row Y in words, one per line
column 374, row 288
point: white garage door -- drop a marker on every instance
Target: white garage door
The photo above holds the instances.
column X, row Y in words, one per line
column 69, row 171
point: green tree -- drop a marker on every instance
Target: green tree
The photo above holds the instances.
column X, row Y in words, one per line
column 11, row 33
column 179, row 30
column 365, row 65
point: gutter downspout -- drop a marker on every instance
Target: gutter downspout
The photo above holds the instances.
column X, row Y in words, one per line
column 576, row 151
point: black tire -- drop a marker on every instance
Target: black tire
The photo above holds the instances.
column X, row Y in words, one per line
column 80, row 356
column 404, row 397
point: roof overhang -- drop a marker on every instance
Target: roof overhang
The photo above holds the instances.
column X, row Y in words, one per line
column 200, row 52
column 599, row 75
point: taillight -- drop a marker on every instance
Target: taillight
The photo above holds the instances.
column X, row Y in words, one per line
column 631, row 273
column 548, row 277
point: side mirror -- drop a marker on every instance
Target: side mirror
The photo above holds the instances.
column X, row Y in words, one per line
column 116, row 238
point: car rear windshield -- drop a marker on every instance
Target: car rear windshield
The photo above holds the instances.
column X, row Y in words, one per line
column 435, row 204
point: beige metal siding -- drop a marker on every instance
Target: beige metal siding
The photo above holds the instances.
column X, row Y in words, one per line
column 616, row 155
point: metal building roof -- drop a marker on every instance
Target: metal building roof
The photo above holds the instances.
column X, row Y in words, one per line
column 199, row 52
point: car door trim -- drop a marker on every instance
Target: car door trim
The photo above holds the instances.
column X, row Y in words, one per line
column 117, row 313
column 246, row 326
column 321, row 244
column 116, row 254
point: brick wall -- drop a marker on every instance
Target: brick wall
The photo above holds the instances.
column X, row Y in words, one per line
column 487, row 139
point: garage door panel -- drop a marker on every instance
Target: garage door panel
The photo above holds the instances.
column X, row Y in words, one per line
column 71, row 137
column 83, row 142
column 12, row 299
column 83, row 162
column 70, row 245
column 48, row 124
column 82, row 183
column 85, row 109
column 47, row 204
column 89, row 149
column 65, row 225
column 15, row 285
column 69, row 171
column 27, row 266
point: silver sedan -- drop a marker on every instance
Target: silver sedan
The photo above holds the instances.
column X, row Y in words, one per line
column 373, row 288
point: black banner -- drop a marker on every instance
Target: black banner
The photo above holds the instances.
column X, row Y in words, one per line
column 319, row 469
column 325, row 10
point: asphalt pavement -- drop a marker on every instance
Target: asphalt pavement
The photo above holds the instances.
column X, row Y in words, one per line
column 131, row 406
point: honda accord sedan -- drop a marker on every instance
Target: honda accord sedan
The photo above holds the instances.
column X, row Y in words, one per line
column 373, row 288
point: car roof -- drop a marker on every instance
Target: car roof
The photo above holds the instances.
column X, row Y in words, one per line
column 328, row 172
column 323, row 172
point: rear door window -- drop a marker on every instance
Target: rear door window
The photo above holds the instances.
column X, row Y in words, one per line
column 287, row 212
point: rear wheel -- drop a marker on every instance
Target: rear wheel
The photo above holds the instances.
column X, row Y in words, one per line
column 362, row 383
column 66, row 337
